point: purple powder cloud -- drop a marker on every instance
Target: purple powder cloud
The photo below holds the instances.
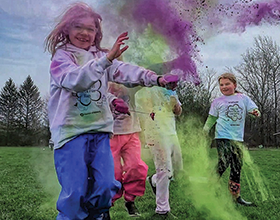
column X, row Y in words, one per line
column 179, row 22
column 178, row 33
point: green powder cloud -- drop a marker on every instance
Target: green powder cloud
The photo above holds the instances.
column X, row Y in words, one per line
column 207, row 192
column 146, row 49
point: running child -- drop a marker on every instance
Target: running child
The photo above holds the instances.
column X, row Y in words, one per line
column 161, row 137
column 228, row 112
column 80, row 118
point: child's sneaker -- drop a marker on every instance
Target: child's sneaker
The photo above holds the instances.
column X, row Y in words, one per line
column 106, row 216
column 167, row 215
column 149, row 179
column 132, row 209
column 241, row 201
column 102, row 216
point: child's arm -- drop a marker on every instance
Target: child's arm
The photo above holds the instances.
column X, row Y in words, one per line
column 67, row 74
column 132, row 75
column 211, row 120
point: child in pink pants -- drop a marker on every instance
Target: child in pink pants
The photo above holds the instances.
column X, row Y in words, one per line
column 130, row 169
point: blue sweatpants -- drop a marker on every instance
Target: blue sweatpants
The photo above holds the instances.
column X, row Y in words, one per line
column 85, row 171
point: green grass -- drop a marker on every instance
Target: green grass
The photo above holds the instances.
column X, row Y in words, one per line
column 21, row 193
column 29, row 189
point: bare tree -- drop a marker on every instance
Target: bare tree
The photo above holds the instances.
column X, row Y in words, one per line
column 260, row 79
column 46, row 134
column 197, row 99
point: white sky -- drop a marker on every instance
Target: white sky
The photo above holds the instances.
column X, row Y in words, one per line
column 24, row 24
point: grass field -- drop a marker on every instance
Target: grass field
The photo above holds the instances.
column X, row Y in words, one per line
column 29, row 189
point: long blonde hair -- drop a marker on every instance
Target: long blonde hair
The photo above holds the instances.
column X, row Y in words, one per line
column 59, row 36
column 231, row 77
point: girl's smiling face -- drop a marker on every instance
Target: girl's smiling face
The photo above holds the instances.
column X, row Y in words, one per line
column 227, row 87
column 82, row 33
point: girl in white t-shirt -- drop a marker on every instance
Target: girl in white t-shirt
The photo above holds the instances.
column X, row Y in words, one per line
column 229, row 112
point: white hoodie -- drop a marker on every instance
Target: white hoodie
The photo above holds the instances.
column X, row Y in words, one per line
column 79, row 100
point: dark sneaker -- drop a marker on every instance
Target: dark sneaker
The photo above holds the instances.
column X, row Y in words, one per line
column 241, row 201
column 106, row 216
column 167, row 215
column 103, row 216
column 132, row 209
column 149, row 178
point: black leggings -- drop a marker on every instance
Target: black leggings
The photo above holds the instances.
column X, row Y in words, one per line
column 229, row 154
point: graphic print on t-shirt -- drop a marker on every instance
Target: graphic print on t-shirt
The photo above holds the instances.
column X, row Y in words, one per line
column 234, row 112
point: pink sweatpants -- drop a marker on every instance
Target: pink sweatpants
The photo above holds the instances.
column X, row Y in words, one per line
column 130, row 169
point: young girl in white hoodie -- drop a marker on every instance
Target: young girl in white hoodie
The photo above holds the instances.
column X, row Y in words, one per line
column 80, row 118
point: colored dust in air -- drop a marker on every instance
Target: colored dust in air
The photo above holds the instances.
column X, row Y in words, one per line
column 164, row 35
column 199, row 184
column 181, row 27
column 208, row 192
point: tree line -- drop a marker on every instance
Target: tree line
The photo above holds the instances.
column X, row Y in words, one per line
column 23, row 115
column 24, row 120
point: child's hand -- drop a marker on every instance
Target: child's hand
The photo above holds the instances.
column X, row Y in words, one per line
column 169, row 81
column 116, row 50
column 177, row 110
column 121, row 106
column 176, row 107
column 255, row 113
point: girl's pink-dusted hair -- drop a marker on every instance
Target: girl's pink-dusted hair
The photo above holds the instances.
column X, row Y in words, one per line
column 59, row 36
column 231, row 77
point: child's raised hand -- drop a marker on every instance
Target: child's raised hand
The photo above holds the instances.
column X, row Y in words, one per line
column 116, row 50
column 169, row 81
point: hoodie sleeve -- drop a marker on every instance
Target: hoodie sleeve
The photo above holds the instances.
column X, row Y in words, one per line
column 132, row 75
column 67, row 74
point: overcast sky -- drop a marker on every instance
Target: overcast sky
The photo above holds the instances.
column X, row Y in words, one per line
column 24, row 24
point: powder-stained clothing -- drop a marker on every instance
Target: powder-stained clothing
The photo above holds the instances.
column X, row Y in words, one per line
column 161, row 136
column 78, row 91
column 130, row 169
column 123, row 123
column 81, row 122
column 231, row 112
column 85, row 170
column 230, row 155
